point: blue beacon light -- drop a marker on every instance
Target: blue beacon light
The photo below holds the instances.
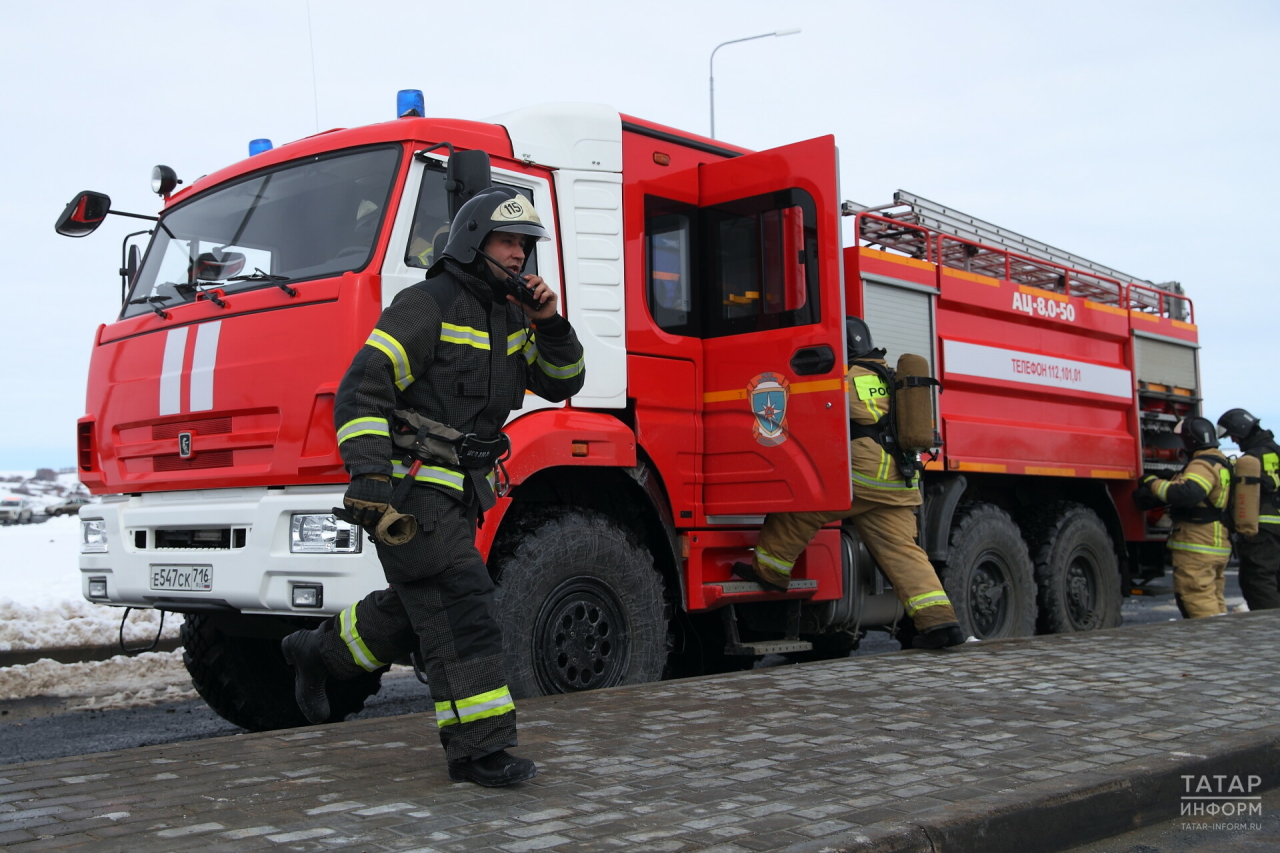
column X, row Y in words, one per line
column 409, row 104
column 257, row 146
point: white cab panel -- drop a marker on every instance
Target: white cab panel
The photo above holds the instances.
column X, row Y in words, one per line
column 590, row 206
column 586, row 137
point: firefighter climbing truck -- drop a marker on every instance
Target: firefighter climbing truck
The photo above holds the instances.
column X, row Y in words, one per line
column 707, row 284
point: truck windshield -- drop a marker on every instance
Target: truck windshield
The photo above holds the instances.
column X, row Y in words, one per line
column 311, row 219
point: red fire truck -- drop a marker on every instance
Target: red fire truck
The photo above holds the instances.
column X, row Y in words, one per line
column 707, row 284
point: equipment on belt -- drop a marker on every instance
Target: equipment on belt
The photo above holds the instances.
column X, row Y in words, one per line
column 1246, row 495
column 1197, row 433
column 431, row 441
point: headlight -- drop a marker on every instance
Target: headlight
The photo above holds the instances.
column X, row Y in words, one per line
column 93, row 536
column 315, row 533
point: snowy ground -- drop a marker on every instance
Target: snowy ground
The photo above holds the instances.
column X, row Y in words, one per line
column 120, row 682
column 40, row 602
column 41, row 608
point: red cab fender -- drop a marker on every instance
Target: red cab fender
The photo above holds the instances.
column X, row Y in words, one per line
column 552, row 438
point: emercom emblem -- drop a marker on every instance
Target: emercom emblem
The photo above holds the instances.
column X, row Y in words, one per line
column 768, row 395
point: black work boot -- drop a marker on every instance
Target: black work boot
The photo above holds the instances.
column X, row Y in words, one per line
column 939, row 637
column 495, row 770
column 766, row 578
column 302, row 651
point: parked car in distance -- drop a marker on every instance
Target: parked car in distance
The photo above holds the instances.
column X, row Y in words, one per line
column 15, row 510
column 69, row 506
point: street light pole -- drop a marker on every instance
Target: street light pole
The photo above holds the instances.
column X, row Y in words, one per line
column 712, row 66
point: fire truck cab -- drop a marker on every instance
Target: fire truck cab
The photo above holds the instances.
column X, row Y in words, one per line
column 708, row 287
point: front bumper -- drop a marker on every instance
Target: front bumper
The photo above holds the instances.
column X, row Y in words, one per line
column 252, row 572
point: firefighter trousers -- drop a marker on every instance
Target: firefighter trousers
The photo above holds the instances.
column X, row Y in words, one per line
column 1260, row 568
column 1199, row 581
column 889, row 532
column 441, row 602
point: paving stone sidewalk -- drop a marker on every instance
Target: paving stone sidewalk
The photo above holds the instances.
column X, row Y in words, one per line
column 828, row 755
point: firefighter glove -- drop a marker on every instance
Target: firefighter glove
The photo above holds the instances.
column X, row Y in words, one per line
column 368, row 498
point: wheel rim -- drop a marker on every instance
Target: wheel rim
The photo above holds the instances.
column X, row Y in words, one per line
column 989, row 596
column 1081, row 582
column 580, row 638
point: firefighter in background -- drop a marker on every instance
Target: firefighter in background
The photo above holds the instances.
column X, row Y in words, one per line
column 1259, row 555
column 422, row 244
column 451, row 356
column 1197, row 498
column 882, row 510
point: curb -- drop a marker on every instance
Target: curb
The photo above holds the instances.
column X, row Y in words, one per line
column 1045, row 818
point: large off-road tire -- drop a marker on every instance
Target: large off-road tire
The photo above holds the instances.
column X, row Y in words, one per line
column 988, row 575
column 246, row 680
column 580, row 603
column 1077, row 575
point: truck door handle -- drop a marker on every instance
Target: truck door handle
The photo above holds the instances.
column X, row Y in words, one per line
column 813, row 360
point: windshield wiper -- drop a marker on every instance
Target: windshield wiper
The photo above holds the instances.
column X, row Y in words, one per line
column 259, row 275
column 155, row 302
column 209, row 290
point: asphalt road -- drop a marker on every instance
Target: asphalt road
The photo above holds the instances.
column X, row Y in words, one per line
column 39, row 729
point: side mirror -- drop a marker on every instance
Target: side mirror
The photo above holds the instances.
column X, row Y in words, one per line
column 131, row 268
column 217, row 266
column 467, row 174
column 83, row 215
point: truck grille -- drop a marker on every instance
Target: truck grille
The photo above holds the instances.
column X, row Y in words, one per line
column 213, row 459
column 218, row 538
column 206, row 426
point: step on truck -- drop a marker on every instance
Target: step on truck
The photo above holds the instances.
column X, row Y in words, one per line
column 708, row 286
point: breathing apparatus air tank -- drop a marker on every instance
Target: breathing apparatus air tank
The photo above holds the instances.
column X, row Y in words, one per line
column 1246, row 495
column 913, row 404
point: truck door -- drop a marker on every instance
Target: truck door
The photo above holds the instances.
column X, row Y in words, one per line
column 774, row 416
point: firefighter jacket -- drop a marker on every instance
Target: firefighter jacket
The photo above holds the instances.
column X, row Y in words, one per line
column 875, row 473
column 1198, row 499
column 1262, row 445
column 448, row 349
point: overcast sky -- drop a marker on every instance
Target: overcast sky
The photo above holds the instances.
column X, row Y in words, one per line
column 1141, row 135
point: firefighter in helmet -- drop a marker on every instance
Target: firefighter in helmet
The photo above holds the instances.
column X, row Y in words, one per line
column 1197, row 498
column 882, row 510
column 1259, row 554
column 448, row 359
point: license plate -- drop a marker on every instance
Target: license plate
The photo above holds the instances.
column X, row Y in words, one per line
column 182, row 578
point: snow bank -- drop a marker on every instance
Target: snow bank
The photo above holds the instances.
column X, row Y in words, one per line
column 40, row 602
column 121, row 682
column 77, row 624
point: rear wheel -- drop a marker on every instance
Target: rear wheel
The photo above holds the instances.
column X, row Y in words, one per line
column 580, row 603
column 988, row 575
column 246, row 680
column 1077, row 575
